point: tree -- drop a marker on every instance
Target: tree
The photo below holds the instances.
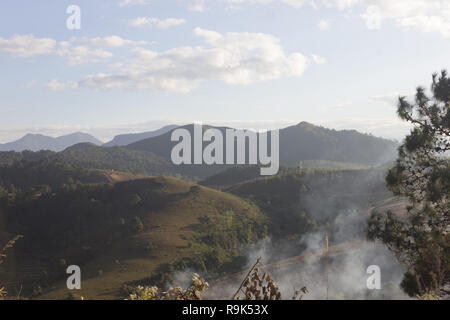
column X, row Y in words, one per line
column 135, row 200
column 422, row 173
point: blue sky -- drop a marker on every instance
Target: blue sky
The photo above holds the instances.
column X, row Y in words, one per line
column 136, row 65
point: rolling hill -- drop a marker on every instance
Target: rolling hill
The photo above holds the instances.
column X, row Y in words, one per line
column 46, row 174
column 139, row 231
column 303, row 145
column 303, row 142
column 91, row 156
column 127, row 230
column 116, row 158
column 306, row 141
column 242, row 173
column 36, row 142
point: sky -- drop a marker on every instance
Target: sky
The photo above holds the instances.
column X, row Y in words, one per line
column 123, row 66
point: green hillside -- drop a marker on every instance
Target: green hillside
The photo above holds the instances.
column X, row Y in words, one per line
column 129, row 232
column 145, row 230
column 8, row 157
column 48, row 172
column 306, row 141
column 117, row 158
column 241, row 173
column 90, row 156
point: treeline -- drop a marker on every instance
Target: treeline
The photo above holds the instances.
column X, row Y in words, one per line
column 9, row 157
column 116, row 158
column 90, row 156
column 43, row 176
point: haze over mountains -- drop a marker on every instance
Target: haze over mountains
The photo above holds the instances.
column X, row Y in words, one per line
column 125, row 139
column 110, row 209
column 301, row 142
column 304, row 145
column 36, row 142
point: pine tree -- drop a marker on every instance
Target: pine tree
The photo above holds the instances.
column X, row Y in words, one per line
column 422, row 173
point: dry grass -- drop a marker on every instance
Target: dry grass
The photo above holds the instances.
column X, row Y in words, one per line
column 257, row 287
column 9, row 245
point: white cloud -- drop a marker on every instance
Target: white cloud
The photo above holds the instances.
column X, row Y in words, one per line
column 295, row 3
column 125, row 3
column 77, row 55
column 197, row 5
column 56, row 85
column 323, row 25
column 427, row 24
column 372, row 17
column 110, row 41
column 25, row 46
column 234, row 58
column 421, row 15
column 76, row 50
column 158, row 23
column 318, row 59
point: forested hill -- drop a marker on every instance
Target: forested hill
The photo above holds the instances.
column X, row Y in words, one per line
column 306, row 141
column 303, row 145
column 302, row 142
column 9, row 157
column 44, row 176
column 116, row 158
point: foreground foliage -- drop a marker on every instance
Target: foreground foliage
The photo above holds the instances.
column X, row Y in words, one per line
column 8, row 246
column 253, row 287
column 193, row 292
column 422, row 173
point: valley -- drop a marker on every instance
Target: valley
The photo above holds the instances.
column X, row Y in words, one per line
column 127, row 216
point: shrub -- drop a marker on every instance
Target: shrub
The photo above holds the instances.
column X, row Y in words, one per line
column 193, row 292
column 137, row 225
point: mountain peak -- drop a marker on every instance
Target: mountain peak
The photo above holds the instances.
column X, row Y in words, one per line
column 305, row 124
column 126, row 139
column 36, row 142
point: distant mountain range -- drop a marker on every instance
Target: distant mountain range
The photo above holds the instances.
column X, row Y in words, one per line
column 36, row 142
column 125, row 139
column 306, row 141
column 302, row 142
column 303, row 145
